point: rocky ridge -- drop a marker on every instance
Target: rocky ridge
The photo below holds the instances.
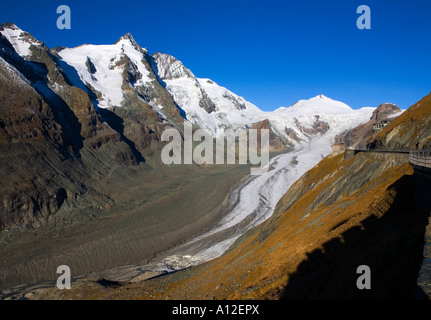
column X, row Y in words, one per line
column 409, row 131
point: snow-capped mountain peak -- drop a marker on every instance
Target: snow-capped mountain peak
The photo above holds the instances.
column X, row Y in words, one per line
column 319, row 105
column 19, row 39
column 102, row 67
column 127, row 37
column 206, row 104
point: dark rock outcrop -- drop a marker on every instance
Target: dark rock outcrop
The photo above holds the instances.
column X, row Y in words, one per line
column 275, row 143
column 318, row 127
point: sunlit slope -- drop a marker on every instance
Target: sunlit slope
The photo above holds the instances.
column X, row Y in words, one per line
column 339, row 206
column 411, row 130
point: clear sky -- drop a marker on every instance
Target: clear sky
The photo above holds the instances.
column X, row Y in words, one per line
column 272, row 53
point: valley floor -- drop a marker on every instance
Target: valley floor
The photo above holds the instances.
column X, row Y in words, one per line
column 153, row 211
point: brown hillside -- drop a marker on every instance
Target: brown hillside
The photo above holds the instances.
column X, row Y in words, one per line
column 359, row 136
column 411, row 130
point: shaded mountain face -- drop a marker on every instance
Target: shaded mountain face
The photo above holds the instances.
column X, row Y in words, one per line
column 54, row 143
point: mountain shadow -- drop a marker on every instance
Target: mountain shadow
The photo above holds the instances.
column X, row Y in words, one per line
column 117, row 124
column 392, row 246
column 37, row 73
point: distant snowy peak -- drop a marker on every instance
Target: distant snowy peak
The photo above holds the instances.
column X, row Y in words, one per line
column 129, row 38
column 20, row 40
column 317, row 105
column 318, row 117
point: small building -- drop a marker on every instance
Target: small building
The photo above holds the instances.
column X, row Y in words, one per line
column 380, row 125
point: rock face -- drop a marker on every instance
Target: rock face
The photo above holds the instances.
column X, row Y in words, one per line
column 410, row 131
column 168, row 67
column 275, row 143
column 204, row 103
column 359, row 136
column 384, row 110
column 318, row 127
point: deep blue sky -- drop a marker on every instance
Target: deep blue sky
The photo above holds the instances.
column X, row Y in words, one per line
column 272, row 53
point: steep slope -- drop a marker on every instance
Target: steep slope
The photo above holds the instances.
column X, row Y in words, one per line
column 410, row 131
column 43, row 128
column 358, row 137
column 206, row 104
column 113, row 71
column 22, row 42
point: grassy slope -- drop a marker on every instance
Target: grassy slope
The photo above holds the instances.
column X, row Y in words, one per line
column 263, row 265
column 411, row 130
